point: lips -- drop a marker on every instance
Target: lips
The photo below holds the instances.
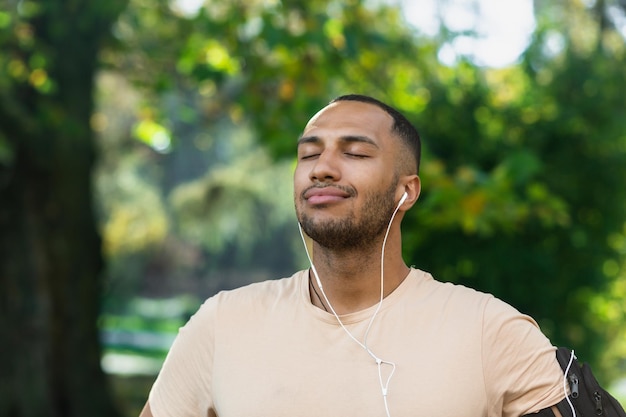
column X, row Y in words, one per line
column 325, row 195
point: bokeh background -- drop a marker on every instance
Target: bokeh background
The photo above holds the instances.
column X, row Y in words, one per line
column 147, row 149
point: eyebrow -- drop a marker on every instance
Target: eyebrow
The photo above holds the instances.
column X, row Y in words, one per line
column 344, row 139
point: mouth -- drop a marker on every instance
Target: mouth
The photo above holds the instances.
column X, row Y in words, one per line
column 325, row 195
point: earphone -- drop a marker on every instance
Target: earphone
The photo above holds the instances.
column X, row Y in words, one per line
column 384, row 385
column 403, row 198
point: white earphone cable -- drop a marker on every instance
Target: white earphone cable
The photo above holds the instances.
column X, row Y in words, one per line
column 379, row 362
column 569, row 365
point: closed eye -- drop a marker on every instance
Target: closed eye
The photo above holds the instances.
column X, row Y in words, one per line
column 356, row 155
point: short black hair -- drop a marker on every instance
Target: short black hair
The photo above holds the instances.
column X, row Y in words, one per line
column 401, row 125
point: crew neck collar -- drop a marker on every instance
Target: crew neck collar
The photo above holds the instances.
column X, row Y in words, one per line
column 303, row 277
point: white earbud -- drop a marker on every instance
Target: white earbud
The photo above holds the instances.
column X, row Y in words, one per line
column 404, row 197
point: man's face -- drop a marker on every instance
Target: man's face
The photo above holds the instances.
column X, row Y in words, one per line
column 345, row 182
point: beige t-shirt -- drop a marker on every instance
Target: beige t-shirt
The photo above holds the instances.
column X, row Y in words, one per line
column 265, row 350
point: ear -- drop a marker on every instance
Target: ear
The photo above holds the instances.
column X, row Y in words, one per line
column 411, row 185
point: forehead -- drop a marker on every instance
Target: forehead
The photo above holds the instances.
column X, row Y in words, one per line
column 350, row 118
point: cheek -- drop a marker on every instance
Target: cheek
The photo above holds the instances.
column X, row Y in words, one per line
column 299, row 183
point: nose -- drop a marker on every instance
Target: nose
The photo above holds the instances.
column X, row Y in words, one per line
column 325, row 169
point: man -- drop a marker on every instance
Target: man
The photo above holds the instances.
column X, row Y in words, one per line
column 360, row 333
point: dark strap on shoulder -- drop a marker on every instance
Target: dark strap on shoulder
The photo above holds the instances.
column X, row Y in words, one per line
column 587, row 397
column 546, row 412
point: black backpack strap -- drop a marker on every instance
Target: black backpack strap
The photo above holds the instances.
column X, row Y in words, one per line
column 587, row 397
column 546, row 412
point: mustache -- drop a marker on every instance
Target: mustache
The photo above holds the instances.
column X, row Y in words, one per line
column 348, row 190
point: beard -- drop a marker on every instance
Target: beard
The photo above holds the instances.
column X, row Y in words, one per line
column 353, row 231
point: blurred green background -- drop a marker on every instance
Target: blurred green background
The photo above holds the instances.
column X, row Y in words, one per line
column 147, row 148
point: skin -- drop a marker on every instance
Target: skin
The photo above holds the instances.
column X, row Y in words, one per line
column 349, row 155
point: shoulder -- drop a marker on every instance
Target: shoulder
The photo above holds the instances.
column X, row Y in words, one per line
column 455, row 297
column 243, row 306
column 520, row 372
column 476, row 310
column 260, row 291
column 249, row 298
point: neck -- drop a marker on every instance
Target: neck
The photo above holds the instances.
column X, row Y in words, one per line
column 351, row 277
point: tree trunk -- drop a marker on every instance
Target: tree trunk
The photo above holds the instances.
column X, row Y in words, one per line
column 50, row 259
